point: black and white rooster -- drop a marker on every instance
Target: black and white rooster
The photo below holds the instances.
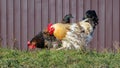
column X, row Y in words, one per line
column 80, row 34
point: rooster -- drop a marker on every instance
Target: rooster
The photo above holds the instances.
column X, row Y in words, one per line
column 46, row 38
column 59, row 30
column 80, row 33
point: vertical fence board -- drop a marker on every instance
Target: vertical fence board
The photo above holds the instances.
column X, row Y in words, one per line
column 10, row 29
column 87, row 5
column 101, row 25
column 51, row 11
column 66, row 7
column 73, row 9
column 59, row 12
column 44, row 13
column 30, row 19
column 3, row 23
column 80, row 9
column 116, row 10
column 38, row 22
column 24, row 24
column 17, row 24
column 109, row 23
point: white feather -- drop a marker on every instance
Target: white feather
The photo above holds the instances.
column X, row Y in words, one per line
column 75, row 38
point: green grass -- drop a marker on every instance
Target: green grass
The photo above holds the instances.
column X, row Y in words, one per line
column 58, row 59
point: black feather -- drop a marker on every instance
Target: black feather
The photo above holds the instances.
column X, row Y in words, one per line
column 43, row 40
column 39, row 39
column 91, row 14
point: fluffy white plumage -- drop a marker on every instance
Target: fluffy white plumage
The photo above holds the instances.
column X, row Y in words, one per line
column 79, row 34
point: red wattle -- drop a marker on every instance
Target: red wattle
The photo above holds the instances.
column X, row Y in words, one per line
column 32, row 47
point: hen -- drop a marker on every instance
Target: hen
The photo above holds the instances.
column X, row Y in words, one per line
column 41, row 40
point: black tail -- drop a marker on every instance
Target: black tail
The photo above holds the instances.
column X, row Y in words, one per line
column 66, row 18
column 92, row 15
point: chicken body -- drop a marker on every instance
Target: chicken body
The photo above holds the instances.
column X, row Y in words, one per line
column 60, row 30
column 81, row 33
column 37, row 41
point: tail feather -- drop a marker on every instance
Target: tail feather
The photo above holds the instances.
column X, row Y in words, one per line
column 91, row 16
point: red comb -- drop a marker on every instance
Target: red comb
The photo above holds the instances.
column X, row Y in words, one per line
column 49, row 26
column 50, row 29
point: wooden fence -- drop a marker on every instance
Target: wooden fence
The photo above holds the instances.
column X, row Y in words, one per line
column 20, row 20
